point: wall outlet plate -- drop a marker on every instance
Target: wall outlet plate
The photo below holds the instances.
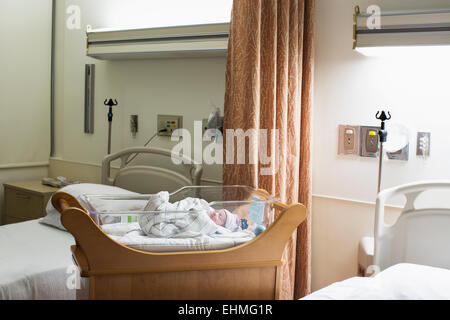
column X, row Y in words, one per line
column 348, row 142
column 423, row 144
column 369, row 141
column 169, row 123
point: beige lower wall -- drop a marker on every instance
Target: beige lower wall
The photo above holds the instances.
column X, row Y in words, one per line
column 337, row 225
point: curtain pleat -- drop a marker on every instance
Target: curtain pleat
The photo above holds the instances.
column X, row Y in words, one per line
column 268, row 87
column 303, row 263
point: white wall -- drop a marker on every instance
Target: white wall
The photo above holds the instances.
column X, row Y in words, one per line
column 187, row 87
column 25, row 32
column 25, row 82
column 350, row 89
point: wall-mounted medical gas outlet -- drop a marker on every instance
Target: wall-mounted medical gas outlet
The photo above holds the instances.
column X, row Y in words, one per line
column 402, row 154
column 423, row 144
column 134, row 124
column 348, row 139
column 369, row 141
column 167, row 124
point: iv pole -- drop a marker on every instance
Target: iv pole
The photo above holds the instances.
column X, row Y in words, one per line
column 111, row 104
column 382, row 134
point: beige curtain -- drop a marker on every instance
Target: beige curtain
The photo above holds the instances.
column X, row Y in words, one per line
column 269, row 86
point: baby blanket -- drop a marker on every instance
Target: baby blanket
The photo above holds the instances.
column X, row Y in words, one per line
column 183, row 219
column 180, row 226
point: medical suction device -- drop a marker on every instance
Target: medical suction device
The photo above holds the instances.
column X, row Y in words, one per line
column 110, row 104
column 382, row 134
column 215, row 124
column 215, row 120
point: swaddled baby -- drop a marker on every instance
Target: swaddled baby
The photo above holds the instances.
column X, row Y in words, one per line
column 189, row 217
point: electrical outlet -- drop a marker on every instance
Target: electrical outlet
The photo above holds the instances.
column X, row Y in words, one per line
column 423, row 144
column 369, row 141
column 167, row 124
column 348, row 139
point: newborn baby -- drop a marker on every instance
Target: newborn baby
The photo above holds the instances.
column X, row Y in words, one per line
column 225, row 219
column 180, row 217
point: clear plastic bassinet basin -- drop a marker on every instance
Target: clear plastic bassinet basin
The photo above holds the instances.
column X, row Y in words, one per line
column 224, row 217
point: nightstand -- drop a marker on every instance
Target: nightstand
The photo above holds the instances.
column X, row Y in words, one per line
column 25, row 200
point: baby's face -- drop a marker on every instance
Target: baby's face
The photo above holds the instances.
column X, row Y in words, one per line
column 219, row 217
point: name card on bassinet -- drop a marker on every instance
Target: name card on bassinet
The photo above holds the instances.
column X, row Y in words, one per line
column 256, row 214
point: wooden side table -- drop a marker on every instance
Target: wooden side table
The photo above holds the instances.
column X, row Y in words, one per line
column 25, row 200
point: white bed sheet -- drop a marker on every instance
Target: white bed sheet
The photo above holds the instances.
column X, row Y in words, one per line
column 34, row 260
column 399, row 282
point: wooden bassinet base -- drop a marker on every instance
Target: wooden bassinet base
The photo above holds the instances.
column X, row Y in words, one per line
column 249, row 271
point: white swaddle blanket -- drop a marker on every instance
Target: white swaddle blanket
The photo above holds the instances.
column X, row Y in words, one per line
column 177, row 224
column 175, row 228
column 183, row 219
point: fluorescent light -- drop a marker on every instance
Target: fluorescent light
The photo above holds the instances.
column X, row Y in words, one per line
column 406, row 51
column 142, row 14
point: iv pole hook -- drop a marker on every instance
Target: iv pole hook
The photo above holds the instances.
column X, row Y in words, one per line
column 382, row 134
column 110, row 104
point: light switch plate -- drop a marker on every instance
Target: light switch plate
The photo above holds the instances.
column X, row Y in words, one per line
column 423, row 144
column 169, row 123
column 369, row 141
column 348, row 140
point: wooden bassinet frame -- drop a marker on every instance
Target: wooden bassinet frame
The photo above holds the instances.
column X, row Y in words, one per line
column 248, row 271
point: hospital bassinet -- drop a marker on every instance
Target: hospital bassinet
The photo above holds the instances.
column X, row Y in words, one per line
column 250, row 270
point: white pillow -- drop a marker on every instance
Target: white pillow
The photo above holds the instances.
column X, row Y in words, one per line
column 53, row 217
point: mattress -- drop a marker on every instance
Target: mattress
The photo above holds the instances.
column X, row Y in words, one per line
column 399, row 282
column 35, row 262
column 136, row 239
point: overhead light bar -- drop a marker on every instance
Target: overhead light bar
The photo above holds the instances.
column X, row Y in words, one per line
column 442, row 51
column 166, row 42
column 401, row 29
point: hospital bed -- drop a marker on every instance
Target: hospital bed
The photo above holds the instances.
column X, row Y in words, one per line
column 411, row 258
column 35, row 258
column 148, row 179
column 403, row 281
